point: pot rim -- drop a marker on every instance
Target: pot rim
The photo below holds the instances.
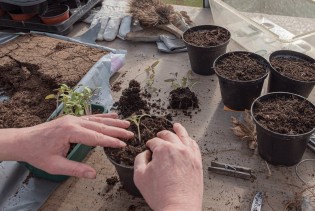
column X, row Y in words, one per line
column 207, row 25
column 63, row 6
column 289, row 53
column 283, row 94
column 244, row 82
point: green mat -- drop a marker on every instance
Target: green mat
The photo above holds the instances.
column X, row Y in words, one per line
column 194, row 3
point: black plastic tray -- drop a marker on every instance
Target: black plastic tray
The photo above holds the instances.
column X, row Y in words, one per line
column 35, row 23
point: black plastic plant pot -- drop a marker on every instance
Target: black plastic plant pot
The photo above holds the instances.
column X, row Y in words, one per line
column 276, row 148
column 36, row 6
column 280, row 83
column 239, row 95
column 78, row 153
column 125, row 174
column 202, row 58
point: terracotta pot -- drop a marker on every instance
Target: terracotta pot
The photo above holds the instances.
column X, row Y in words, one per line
column 18, row 16
column 56, row 14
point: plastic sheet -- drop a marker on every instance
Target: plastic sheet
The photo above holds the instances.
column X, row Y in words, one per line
column 17, row 191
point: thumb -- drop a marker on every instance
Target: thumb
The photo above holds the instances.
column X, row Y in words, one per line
column 62, row 166
column 141, row 161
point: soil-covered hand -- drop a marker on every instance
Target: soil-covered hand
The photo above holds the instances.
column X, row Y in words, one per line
column 45, row 146
column 171, row 177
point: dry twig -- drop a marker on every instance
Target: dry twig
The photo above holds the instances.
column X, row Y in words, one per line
column 246, row 130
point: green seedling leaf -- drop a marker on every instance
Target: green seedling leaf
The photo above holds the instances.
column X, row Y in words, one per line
column 169, row 80
column 51, row 96
column 155, row 64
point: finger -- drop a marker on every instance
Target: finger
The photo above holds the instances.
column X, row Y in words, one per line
column 62, row 166
column 182, row 134
column 107, row 130
column 88, row 137
column 111, row 122
column 142, row 160
column 169, row 136
column 108, row 115
column 155, row 143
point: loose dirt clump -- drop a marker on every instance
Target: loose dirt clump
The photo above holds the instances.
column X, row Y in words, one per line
column 241, row 67
column 149, row 127
column 112, row 180
column 285, row 115
column 294, row 68
column 183, row 98
column 131, row 102
column 207, row 38
column 31, row 67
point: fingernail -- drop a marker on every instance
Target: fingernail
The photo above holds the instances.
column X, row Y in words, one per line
column 130, row 133
column 158, row 133
column 90, row 175
column 122, row 144
column 126, row 122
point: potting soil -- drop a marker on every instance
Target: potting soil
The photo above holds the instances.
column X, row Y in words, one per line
column 240, row 67
column 183, row 98
column 32, row 66
column 286, row 115
column 294, row 68
column 207, row 38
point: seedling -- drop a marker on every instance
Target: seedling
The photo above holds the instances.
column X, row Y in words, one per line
column 186, row 81
column 136, row 119
column 74, row 103
column 150, row 71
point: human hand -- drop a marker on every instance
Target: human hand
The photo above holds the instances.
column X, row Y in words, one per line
column 173, row 179
column 45, row 146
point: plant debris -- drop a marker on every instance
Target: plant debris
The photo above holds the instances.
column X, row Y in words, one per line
column 246, row 130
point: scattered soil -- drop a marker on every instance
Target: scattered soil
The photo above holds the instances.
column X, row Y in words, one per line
column 294, row 68
column 286, row 115
column 117, row 86
column 207, row 38
column 112, row 180
column 149, row 127
column 31, row 67
column 241, row 67
column 131, row 102
column 183, row 98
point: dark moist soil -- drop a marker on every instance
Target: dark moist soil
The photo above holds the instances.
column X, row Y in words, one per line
column 149, row 127
column 286, row 115
column 294, row 68
column 131, row 102
column 31, row 67
column 112, row 180
column 183, row 98
column 241, row 67
column 207, row 38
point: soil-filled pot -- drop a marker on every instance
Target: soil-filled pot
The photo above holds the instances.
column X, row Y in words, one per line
column 241, row 76
column 20, row 16
column 78, row 153
column 284, row 124
column 292, row 72
column 205, row 43
column 123, row 159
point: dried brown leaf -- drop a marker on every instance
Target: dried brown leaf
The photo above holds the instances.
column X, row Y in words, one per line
column 238, row 131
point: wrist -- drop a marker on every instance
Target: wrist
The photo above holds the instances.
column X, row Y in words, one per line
column 10, row 144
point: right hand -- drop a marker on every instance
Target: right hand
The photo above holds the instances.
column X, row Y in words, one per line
column 172, row 178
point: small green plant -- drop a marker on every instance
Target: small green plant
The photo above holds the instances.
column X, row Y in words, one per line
column 150, row 71
column 186, row 81
column 136, row 119
column 74, row 103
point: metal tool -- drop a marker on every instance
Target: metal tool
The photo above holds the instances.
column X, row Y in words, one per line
column 257, row 202
column 231, row 170
column 311, row 143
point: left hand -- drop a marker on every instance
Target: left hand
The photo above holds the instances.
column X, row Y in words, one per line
column 45, row 146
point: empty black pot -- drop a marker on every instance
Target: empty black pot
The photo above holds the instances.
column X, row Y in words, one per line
column 239, row 95
column 281, row 83
column 276, row 148
column 202, row 58
column 125, row 174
